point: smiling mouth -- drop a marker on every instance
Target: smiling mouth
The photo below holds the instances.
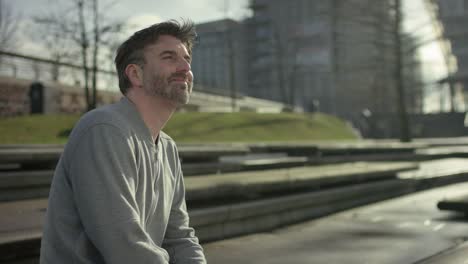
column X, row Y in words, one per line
column 180, row 80
column 183, row 85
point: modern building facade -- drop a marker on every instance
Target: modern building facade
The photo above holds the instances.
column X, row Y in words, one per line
column 219, row 57
column 332, row 56
column 453, row 15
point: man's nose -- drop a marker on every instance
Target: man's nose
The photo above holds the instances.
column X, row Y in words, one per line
column 184, row 65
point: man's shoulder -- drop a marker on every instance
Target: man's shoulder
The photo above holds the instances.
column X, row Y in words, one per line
column 103, row 120
column 105, row 115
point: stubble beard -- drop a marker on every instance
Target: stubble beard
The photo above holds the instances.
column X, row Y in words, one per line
column 176, row 92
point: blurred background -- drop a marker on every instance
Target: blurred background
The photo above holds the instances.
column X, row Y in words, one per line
column 392, row 69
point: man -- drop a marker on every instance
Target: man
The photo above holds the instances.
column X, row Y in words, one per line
column 118, row 195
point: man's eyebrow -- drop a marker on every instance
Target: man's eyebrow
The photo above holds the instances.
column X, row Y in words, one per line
column 173, row 53
column 168, row 52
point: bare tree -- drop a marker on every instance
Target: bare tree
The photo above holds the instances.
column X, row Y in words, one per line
column 55, row 36
column 403, row 115
column 8, row 26
column 88, row 36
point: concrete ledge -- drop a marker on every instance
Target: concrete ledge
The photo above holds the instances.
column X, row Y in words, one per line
column 291, row 149
column 444, row 152
column 20, row 185
column 367, row 157
column 29, row 146
column 29, row 155
column 318, row 153
column 237, row 219
column 227, row 221
column 191, row 169
column 35, row 184
column 264, row 161
column 209, row 153
column 17, row 194
column 249, row 184
column 438, row 172
column 231, row 220
column 39, row 154
column 21, row 179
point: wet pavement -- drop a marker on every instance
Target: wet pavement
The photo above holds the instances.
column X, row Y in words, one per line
column 401, row 230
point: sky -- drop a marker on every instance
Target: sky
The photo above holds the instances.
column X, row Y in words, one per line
column 153, row 11
column 141, row 13
column 136, row 13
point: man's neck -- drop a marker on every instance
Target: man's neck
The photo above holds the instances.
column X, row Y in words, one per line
column 154, row 110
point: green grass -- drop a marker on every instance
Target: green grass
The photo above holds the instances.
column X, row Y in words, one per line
column 36, row 129
column 193, row 128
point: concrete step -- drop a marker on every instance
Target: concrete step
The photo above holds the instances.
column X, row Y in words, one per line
column 331, row 149
column 201, row 168
column 34, row 155
column 263, row 161
column 35, row 184
column 238, row 219
column 442, row 142
column 46, row 156
column 258, row 183
column 444, row 151
column 20, row 185
column 334, row 159
column 21, row 179
column 434, row 173
column 22, row 227
column 210, row 152
column 31, row 156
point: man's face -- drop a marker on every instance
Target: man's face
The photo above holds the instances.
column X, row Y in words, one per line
column 167, row 71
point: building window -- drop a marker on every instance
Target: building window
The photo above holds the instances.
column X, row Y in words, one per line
column 452, row 7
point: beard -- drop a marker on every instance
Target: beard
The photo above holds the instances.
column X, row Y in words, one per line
column 160, row 86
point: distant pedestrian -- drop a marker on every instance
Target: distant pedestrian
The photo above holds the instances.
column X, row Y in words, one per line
column 118, row 193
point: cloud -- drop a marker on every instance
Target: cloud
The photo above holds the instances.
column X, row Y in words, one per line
column 141, row 21
column 199, row 11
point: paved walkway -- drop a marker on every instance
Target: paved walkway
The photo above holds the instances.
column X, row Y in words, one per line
column 402, row 230
column 21, row 219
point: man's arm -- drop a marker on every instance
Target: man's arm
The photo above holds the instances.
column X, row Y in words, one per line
column 180, row 240
column 103, row 173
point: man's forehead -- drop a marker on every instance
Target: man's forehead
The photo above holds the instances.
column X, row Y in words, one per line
column 167, row 42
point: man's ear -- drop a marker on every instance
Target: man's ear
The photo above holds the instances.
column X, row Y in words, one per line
column 134, row 74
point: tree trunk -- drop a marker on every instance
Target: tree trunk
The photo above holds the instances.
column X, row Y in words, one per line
column 95, row 52
column 84, row 52
column 403, row 115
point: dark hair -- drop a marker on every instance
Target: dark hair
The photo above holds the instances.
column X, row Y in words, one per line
column 131, row 51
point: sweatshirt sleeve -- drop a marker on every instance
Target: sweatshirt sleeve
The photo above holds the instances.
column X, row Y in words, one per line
column 180, row 240
column 103, row 175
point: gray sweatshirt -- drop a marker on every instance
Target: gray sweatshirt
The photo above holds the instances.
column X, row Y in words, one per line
column 117, row 197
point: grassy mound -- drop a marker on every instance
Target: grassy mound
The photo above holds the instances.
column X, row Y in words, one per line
column 193, row 128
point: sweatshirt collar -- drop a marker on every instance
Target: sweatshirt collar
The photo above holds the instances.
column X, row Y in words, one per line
column 136, row 119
